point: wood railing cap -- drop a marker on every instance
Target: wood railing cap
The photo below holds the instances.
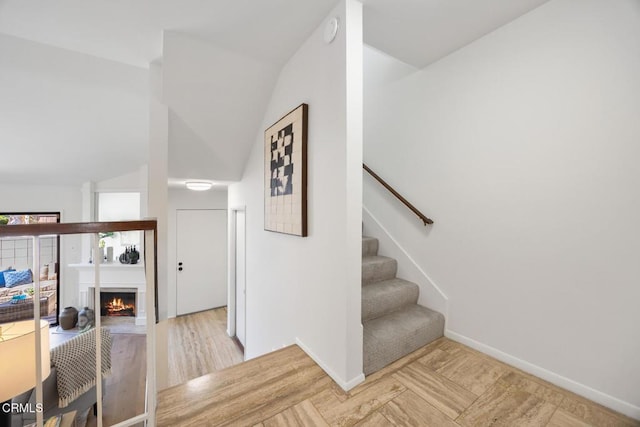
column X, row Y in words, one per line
column 44, row 229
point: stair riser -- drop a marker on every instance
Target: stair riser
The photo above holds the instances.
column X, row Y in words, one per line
column 382, row 348
column 386, row 299
column 375, row 272
column 394, row 324
column 369, row 247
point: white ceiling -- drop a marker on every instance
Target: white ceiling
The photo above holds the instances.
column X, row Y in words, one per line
column 217, row 100
column 130, row 31
column 54, row 111
column 420, row 32
column 66, row 117
column 67, row 129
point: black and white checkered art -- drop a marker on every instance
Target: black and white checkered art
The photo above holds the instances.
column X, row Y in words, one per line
column 285, row 176
column 282, row 166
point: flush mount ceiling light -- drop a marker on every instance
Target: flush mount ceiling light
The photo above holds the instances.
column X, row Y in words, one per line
column 199, row 185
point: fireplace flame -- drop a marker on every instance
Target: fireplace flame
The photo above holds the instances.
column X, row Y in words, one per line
column 117, row 305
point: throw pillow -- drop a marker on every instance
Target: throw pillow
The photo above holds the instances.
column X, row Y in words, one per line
column 44, row 272
column 52, row 271
column 17, row 278
column 2, row 281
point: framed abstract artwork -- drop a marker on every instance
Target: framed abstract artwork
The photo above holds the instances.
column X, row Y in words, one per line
column 285, row 174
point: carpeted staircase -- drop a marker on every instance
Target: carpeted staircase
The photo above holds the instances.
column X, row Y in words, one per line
column 394, row 324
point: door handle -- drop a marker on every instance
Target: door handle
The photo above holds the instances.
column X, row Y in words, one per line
column 180, row 264
column 179, row 268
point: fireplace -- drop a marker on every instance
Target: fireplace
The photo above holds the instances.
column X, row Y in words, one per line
column 117, row 303
column 115, row 277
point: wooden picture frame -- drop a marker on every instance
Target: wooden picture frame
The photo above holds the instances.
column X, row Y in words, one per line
column 285, row 173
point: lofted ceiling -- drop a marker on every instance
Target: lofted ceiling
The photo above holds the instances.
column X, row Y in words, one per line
column 51, row 119
column 130, row 31
column 419, row 32
column 66, row 117
column 62, row 111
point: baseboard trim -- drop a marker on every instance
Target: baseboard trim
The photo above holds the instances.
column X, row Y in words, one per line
column 345, row 385
column 604, row 399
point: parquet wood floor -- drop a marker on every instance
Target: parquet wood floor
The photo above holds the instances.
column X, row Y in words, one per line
column 442, row 384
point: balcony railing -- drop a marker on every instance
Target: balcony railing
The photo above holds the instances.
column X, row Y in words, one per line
column 150, row 237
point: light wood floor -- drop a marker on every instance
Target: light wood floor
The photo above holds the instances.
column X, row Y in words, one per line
column 442, row 384
column 199, row 344
column 125, row 387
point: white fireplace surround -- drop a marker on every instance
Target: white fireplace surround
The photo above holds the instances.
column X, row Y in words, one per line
column 124, row 277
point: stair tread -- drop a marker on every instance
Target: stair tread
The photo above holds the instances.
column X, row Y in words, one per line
column 386, row 296
column 394, row 335
column 388, row 284
column 375, row 259
column 414, row 315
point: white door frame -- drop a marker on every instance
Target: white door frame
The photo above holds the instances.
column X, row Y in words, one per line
column 231, row 303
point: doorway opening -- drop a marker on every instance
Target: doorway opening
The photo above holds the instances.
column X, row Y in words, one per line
column 236, row 321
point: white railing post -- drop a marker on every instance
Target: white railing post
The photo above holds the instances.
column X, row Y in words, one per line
column 98, row 323
column 35, row 271
column 150, row 273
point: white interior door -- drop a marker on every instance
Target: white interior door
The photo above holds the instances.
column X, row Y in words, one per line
column 240, row 277
column 201, row 265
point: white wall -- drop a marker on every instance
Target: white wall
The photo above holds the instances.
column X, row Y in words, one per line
column 135, row 181
column 119, row 206
column 131, row 181
column 523, row 148
column 353, row 183
column 302, row 289
column 158, row 202
column 64, row 199
column 186, row 199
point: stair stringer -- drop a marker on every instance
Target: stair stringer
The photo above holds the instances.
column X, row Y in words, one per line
column 431, row 296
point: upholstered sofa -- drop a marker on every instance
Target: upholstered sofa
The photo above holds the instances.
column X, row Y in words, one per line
column 50, row 387
column 7, row 293
column 24, row 309
column 48, row 275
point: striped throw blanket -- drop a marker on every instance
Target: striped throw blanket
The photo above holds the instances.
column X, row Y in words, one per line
column 75, row 363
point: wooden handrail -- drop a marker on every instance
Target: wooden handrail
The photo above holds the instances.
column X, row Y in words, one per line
column 47, row 228
column 413, row 209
